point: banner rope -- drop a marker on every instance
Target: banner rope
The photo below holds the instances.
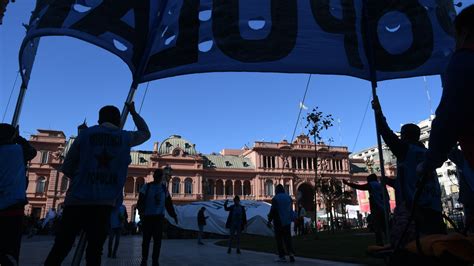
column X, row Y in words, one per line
column 301, row 108
column 9, row 98
column 143, row 100
column 361, row 124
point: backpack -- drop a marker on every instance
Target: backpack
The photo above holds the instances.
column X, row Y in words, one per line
column 141, row 203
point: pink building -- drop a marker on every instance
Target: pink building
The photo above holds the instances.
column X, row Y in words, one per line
column 251, row 173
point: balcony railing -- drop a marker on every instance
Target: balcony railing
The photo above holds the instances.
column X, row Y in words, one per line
column 310, row 146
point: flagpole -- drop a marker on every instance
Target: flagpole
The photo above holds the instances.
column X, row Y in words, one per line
column 129, row 100
column 373, row 80
column 19, row 104
column 25, row 76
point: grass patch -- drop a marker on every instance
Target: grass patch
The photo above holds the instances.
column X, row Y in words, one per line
column 346, row 246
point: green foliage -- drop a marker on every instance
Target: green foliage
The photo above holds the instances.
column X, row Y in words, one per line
column 316, row 122
column 331, row 190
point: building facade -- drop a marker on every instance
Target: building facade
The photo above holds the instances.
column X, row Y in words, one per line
column 251, row 173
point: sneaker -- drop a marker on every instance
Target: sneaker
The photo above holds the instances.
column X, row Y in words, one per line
column 238, row 251
column 228, row 251
column 292, row 258
column 281, row 259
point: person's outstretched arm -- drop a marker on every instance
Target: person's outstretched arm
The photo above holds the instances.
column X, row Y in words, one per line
column 143, row 133
column 357, row 186
column 398, row 148
column 390, row 182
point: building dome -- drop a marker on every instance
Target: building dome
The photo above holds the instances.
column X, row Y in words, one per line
column 174, row 144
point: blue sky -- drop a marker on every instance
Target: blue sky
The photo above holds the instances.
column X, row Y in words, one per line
column 71, row 80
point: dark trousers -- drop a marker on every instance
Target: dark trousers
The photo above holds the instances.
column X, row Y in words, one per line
column 94, row 220
column 283, row 239
column 10, row 238
column 379, row 226
column 235, row 232
column 114, row 235
column 152, row 227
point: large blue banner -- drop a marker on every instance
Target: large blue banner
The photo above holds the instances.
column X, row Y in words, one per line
column 164, row 38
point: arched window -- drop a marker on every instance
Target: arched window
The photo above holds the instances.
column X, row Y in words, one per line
column 176, row 183
column 238, row 188
column 219, row 187
column 41, row 184
column 139, row 184
column 247, row 188
column 269, row 189
column 210, row 187
column 64, row 184
column 228, row 188
column 129, row 183
column 188, row 186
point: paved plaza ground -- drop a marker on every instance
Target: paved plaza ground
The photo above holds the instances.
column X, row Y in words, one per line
column 174, row 252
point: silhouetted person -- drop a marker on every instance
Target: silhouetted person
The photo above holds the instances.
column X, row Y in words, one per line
column 97, row 165
column 409, row 151
column 201, row 220
column 465, row 175
column 156, row 198
column 118, row 218
column 236, row 222
column 15, row 152
column 300, row 220
column 281, row 216
column 453, row 122
column 377, row 204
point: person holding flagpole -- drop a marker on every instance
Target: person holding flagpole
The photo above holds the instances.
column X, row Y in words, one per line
column 409, row 151
column 97, row 165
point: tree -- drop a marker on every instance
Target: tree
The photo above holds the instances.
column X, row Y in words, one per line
column 332, row 193
column 317, row 122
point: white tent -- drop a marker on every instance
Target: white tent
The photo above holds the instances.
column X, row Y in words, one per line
column 257, row 212
column 352, row 210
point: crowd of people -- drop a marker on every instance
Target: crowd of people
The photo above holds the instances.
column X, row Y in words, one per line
column 98, row 159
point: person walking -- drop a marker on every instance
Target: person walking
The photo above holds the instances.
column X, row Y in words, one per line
column 15, row 152
column 280, row 214
column 153, row 199
column 409, row 151
column 97, row 165
column 300, row 219
column 201, row 220
column 453, row 123
column 236, row 222
column 118, row 218
column 376, row 202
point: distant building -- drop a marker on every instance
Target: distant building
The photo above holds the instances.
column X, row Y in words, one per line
column 446, row 173
column 251, row 173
